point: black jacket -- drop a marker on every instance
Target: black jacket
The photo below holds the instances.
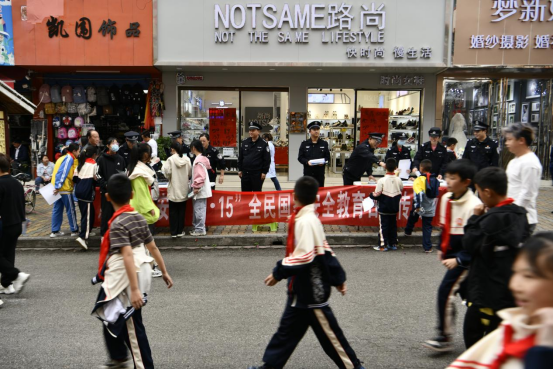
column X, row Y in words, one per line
column 493, row 241
column 438, row 157
column 23, row 155
column 254, row 156
column 125, row 152
column 309, row 151
column 216, row 160
column 483, row 154
column 393, row 152
column 12, row 201
column 361, row 161
column 109, row 165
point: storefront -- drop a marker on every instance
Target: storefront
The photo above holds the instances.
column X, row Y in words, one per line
column 501, row 73
column 356, row 67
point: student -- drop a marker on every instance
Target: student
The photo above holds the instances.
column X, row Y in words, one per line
column 493, row 236
column 63, row 184
column 312, row 269
column 127, row 279
column 523, row 339
column 85, row 191
column 201, row 188
column 423, row 205
column 388, row 193
column 177, row 169
column 456, row 207
column 451, row 144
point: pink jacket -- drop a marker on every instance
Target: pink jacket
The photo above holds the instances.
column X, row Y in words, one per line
column 199, row 174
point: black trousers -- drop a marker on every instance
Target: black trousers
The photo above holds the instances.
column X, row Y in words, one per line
column 451, row 284
column 388, row 230
column 251, row 181
column 107, row 213
column 177, row 211
column 478, row 323
column 319, row 175
column 8, row 242
column 134, row 338
column 349, row 179
column 88, row 214
column 294, row 324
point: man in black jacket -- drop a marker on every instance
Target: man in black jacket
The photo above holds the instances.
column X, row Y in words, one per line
column 216, row 160
column 362, row 160
column 492, row 238
column 314, row 148
column 482, row 150
column 254, row 160
column 434, row 151
column 131, row 139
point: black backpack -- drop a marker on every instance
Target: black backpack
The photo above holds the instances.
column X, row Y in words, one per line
column 432, row 186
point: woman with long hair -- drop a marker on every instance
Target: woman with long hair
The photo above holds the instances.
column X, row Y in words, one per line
column 85, row 191
column 201, row 188
column 142, row 178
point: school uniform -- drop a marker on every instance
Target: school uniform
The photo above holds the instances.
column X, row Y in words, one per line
column 63, row 182
column 312, row 269
column 427, row 207
column 391, row 188
column 85, row 191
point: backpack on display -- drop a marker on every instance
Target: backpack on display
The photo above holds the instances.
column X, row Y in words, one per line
column 56, row 122
column 62, row 133
column 93, row 112
column 91, row 94
column 432, row 186
column 84, row 109
column 55, row 94
column 72, row 108
column 102, row 95
column 108, row 110
column 61, row 108
column 50, row 108
column 126, row 94
column 114, row 94
column 73, row 133
column 79, row 121
column 67, row 120
column 67, row 94
column 79, row 95
column 44, row 94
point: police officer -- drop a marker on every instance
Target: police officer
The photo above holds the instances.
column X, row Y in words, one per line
column 131, row 139
column 177, row 136
column 399, row 151
column 362, row 160
column 254, row 160
column 481, row 150
column 216, row 160
column 434, row 151
column 314, row 148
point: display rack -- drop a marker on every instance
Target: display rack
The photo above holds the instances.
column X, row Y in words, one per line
column 192, row 128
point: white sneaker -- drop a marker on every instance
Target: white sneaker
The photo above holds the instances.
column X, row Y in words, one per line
column 1, row 303
column 82, row 243
column 376, row 248
column 20, row 281
column 8, row 290
column 156, row 273
column 74, row 234
column 57, row 234
column 197, row 234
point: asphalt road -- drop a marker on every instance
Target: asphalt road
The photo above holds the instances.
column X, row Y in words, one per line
column 220, row 314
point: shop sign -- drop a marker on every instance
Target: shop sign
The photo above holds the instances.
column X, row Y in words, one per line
column 83, row 28
column 397, row 80
column 182, row 78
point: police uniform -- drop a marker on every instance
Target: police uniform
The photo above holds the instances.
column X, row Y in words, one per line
column 254, row 159
column 125, row 150
column 396, row 153
column 438, row 157
column 185, row 150
column 361, row 161
column 483, row 154
column 216, row 161
column 310, row 151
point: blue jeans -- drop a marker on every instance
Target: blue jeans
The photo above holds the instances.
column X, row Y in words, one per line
column 426, row 229
column 39, row 181
column 277, row 184
column 66, row 202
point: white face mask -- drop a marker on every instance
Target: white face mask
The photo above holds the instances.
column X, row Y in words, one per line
column 401, row 142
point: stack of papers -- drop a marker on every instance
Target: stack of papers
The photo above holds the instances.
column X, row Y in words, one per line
column 317, row 161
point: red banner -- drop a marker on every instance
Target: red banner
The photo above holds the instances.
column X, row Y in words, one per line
column 222, row 127
column 374, row 120
column 341, row 205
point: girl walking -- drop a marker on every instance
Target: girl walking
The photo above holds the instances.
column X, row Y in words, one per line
column 85, row 192
column 201, row 188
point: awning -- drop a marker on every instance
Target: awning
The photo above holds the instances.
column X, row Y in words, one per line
column 14, row 102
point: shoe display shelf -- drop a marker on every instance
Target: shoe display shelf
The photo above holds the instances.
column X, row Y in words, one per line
column 192, row 128
column 408, row 124
column 339, row 135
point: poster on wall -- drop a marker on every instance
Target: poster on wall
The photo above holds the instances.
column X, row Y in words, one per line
column 6, row 34
column 374, row 120
column 298, row 122
column 222, row 127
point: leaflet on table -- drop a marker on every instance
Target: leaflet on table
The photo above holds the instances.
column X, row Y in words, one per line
column 317, row 161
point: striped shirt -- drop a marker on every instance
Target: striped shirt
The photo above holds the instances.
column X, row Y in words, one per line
column 128, row 229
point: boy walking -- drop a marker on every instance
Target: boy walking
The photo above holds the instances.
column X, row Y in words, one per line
column 127, row 273
column 456, row 207
column 493, row 236
column 312, row 269
column 425, row 191
column 388, row 193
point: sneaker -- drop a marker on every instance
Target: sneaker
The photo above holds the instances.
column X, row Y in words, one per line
column 156, row 273
column 264, row 366
column 393, row 248
column 75, row 234
column 7, row 290
column 82, row 242
column 1, row 302
column 428, row 251
column 114, row 364
column 439, row 344
column 174, row 235
column 197, row 234
column 20, row 281
column 376, row 248
column 56, row 234
column 407, row 234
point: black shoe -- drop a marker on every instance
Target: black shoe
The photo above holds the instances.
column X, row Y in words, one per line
column 360, row 366
column 264, row 366
column 439, row 344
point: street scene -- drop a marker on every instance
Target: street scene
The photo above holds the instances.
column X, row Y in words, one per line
column 353, row 185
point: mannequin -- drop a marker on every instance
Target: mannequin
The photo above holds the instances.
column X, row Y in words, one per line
column 456, row 130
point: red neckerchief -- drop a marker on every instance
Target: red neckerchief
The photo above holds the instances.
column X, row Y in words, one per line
column 392, row 174
column 291, row 225
column 90, row 161
column 104, row 248
column 510, row 349
column 399, row 148
column 505, row 202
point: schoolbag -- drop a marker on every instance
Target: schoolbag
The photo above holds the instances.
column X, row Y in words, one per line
column 79, row 95
column 114, row 94
column 62, row 133
column 72, row 108
column 56, row 122
column 67, row 94
column 67, row 120
column 84, row 109
column 432, row 186
column 55, row 94
column 126, row 94
column 91, row 94
column 79, row 121
column 61, row 108
column 50, row 108
column 73, row 133
column 102, row 95
column 44, row 94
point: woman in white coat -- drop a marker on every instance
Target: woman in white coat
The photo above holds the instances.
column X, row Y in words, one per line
column 177, row 169
column 272, row 171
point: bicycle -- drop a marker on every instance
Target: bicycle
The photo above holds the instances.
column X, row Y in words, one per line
column 28, row 190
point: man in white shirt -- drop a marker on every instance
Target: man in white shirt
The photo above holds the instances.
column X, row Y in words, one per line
column 524, row 171
column 150, row 141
